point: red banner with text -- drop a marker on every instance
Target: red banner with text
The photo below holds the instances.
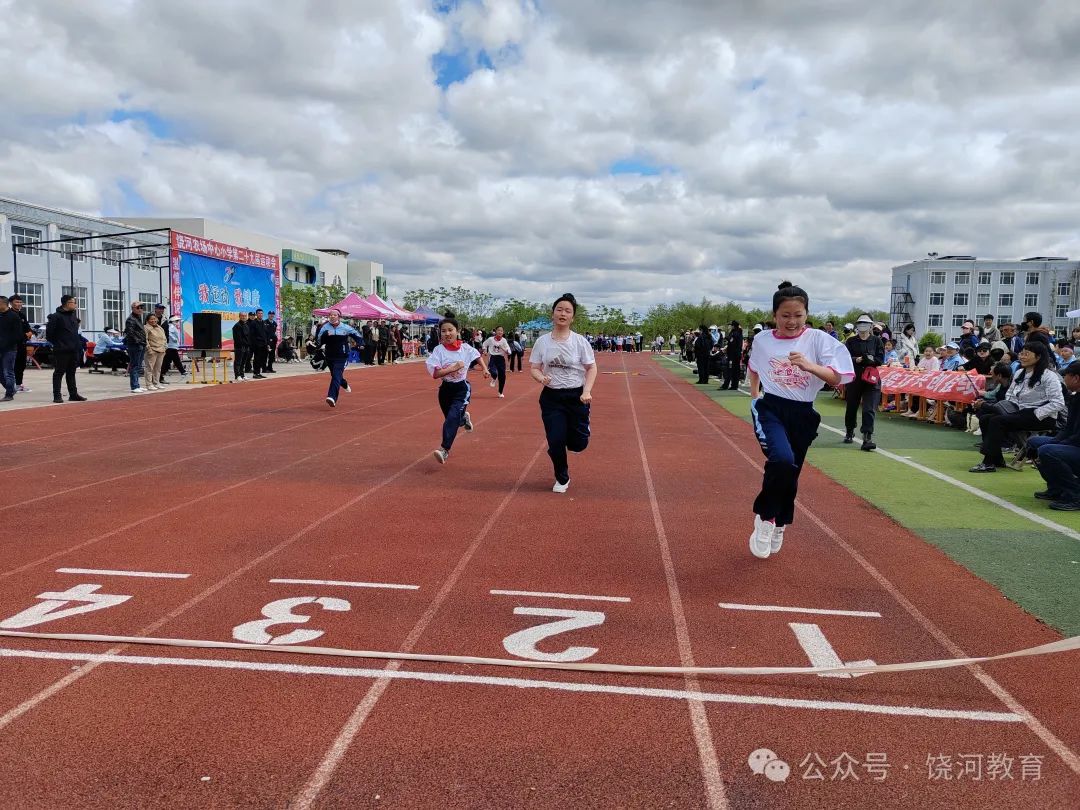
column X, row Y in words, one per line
column 954, row 386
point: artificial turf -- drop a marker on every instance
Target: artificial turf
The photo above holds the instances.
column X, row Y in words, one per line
column 1035, row 566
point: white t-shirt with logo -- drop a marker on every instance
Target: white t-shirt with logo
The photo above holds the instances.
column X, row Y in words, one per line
column 497, row 348
column 564, row 361
column 769, row 360
column 443, row 356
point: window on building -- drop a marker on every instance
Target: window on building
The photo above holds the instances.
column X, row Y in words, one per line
column 25, row 239
column 1033, row 279
column 1031, row 300
column 1005, row 300
column 958, row 320
column 72, row 247
column 113, row 309
column 80, row 300
column 148, row 300
column 937, row 299
column 984, row 278
column 147, row 259
column 111, row 253
column 982, row 300
column 1060, row 310
column 962, row 278
column 937, row 277
column 934, row 320
column 33, row 296
column 960, row 299
column 1007, row 279
column 1064, row 289
column 1004, row 317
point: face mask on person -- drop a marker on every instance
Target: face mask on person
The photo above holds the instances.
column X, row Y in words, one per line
column 863, row 329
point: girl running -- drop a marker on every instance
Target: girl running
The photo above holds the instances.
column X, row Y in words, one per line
column 563, row 362
column 791, row 363
column 333, row 339
column 497, row 349
column 450, row 362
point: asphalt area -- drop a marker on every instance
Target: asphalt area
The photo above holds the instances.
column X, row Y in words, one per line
column 257, row 515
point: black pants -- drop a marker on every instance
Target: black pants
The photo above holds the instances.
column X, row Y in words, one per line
column 20, row 363
column 269, row 363
column 258, row 358
column 497, row 367
column 731, row 374
column 172, row 358
column 856, row 394
column 785, row 430
column 515, row 357
column 381, row 349
column 241, row 358
column 64, row 365
column 996, row 426
column 703, row 370
column 454, row 401
column 566, row 423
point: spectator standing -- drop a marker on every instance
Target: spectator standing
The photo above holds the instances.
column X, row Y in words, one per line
column 16, row 304
column 517, row 351
column 62, row 331
column 271, row 342
column 908, row 347
column 383, row 345
column 156, row 344
column 703, row 344
column 257, row 336
column 172, row 349
column 135, row 343
column 867, row 354
column 241, row 338
column 991, row 334
column 969, row 338
column 10, row 333
column 733, row 349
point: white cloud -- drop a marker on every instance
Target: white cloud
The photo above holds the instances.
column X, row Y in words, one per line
column 821, row 142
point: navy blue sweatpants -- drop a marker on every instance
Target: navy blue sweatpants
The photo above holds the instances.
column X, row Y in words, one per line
column 453, row 399
column 566, row 423
column 785, row 430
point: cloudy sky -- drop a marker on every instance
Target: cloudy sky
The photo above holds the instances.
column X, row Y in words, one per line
column 631, row 151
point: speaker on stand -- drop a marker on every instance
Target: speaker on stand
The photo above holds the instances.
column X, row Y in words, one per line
column 206, row 330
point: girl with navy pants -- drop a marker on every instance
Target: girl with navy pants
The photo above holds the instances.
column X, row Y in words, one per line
column 787, row 368
column 450, row 362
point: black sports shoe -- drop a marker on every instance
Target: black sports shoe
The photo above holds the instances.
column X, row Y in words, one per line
column 1047, row 495
column 1066, row 506
column 983, row 468
column 76, row 398
column 849, row 437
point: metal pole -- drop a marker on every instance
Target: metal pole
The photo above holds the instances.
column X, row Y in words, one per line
column 15, row 266
column 71, row 260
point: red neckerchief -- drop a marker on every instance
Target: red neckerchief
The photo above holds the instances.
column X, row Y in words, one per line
column 452, row 346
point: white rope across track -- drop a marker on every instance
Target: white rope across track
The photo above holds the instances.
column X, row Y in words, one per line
column 1064, row 645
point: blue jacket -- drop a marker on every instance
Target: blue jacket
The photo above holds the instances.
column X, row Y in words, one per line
column 334, row 340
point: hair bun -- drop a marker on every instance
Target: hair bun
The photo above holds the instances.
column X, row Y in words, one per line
column 448, row 314
column 784, row 285
column 569, row 297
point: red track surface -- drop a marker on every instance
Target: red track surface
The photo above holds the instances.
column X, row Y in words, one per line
column 237, row 486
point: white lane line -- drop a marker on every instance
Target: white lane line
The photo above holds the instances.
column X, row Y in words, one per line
column 866, row 614
column 699, row 718
column 336, row 753
column 344, row 584
column 107, row 573
column 521, row 683
column 1066, row 754
column 562, row 596
column 971, row 490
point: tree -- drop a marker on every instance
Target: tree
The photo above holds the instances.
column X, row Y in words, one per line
column 932, row 339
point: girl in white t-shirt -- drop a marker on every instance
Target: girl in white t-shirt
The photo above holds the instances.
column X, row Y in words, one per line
column 450, row 362
column 563, row 362
column 791, row 363
column 497, row 350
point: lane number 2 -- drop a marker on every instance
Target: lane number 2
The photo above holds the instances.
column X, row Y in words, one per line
column 523, row 643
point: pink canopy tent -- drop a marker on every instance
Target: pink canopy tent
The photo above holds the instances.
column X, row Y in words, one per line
column 353, row 306
column 388, row 312
column 409, row 316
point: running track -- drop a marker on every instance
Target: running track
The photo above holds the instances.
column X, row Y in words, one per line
column 237, row 486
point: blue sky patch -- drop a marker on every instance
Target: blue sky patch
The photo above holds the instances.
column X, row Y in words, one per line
column 451, row 67
column 637, row 165
column 158, row 126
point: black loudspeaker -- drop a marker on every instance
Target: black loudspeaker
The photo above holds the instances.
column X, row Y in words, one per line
column 206, row 330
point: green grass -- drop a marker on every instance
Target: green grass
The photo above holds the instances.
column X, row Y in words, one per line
column 1036, row 567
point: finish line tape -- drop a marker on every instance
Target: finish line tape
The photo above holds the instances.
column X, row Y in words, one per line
column 1064, row 645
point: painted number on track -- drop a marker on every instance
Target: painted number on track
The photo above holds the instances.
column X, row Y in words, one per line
column 523, row 643
column 280, row 612
column 52, row 608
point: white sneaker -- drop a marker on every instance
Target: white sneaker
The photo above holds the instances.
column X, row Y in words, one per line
column 331, row 402
column 502, row 396
column 22, row 389
column 761, row 538
column 153, row 388
column 492, row 384
column 468, row 423
column 139, row 390
column 346, row 389
column 561, row 487
column 777, row 539
column 441, row 455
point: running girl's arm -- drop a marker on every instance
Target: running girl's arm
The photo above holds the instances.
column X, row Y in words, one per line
column 829, row 375
column 755, row 383
column 590, row 378
column 537, row 372
column 439, row 373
